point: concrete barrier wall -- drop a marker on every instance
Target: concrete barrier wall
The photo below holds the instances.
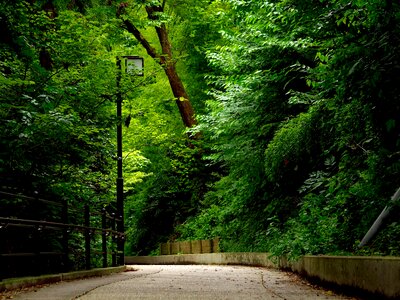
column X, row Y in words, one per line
column 375, row 275
column 190, row 247
column 380, row 275
column 251, row 259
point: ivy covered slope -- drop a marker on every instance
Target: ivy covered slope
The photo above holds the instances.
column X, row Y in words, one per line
column 303, row 119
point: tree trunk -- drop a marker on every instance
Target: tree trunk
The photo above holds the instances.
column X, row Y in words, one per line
column 165, row 59
column 182, row 99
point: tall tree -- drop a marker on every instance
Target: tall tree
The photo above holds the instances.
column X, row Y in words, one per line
column 155, row 14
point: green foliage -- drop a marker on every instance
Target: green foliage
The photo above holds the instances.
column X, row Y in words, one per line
column 57, row 114
column 308, row 91
column 290, row 148
column 167, row 196
column 204, row 226
column 298, row 107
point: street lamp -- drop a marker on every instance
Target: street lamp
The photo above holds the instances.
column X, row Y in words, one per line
column 133, row 65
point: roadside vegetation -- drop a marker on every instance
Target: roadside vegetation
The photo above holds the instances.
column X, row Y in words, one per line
column 273, row 125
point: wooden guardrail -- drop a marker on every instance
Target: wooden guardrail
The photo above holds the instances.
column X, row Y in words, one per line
column 190, row 247
column 58, row 235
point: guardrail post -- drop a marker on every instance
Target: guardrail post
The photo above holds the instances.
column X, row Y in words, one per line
column 104, row 237
column 3, row 271
column 87, row 237
column 114, row 254
column 64, row 218
column 120, row 242
column 36, row 236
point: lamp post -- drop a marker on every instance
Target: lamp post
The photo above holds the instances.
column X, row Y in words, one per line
column 133, row 65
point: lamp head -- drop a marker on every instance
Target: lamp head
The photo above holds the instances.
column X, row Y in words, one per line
column 134, row 65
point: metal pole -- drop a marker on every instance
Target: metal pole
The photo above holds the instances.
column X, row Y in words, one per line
column 114, row 255
column 65, row 236
column 379, row 221
column 87, row 237
column 104, row 237
column 120, row 180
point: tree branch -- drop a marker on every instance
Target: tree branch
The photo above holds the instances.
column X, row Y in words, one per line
column 142, row 40
column 162, row 33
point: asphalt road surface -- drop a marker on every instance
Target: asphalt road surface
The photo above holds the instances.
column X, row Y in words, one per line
column 185, row 282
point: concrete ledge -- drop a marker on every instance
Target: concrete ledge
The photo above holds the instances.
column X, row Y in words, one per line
column 242, row 258
column 23, row 282
column 373, row 275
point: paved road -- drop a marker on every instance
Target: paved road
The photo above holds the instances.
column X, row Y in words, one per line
column 185, row 282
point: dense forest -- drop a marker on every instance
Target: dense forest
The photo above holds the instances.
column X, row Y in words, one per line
column 273, row 125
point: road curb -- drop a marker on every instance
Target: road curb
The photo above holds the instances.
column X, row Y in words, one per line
column 24, row 282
